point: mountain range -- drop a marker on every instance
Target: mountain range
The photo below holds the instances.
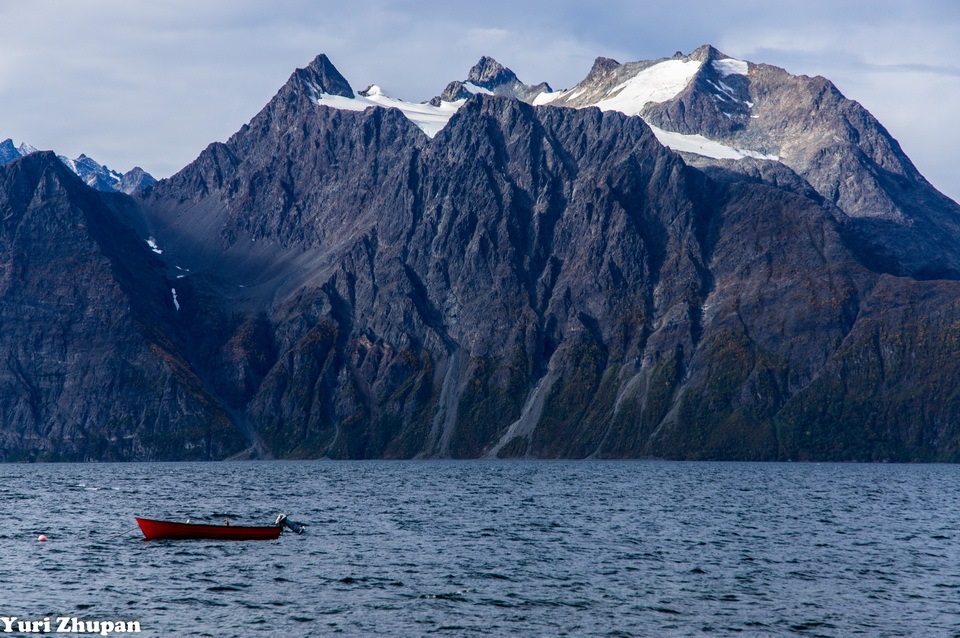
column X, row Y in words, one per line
column 90, row 171
column 695, row 257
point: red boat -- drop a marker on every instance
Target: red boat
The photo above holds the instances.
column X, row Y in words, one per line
column 156, row 530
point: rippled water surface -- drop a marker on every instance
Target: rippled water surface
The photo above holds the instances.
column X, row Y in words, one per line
column 498, row 548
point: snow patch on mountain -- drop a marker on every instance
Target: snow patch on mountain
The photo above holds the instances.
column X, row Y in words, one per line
column 93, row 173
column 430, row 119
column 700, row 145
column 730, row 66
column 372, row 90
column 548, row 97
column 658, row 83
column 69, row 163
column 473, row 88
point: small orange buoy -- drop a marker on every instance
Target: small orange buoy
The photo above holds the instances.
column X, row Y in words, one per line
column 42, row 537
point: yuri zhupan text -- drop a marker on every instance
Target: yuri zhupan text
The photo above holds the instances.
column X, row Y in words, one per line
column 68, row 625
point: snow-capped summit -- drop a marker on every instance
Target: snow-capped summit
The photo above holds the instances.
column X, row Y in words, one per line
column 644, row 88
column 89, row 170
column 632, row 88
column 26, row 149
column 490, row 77
column 323, row 84
column 93, row 173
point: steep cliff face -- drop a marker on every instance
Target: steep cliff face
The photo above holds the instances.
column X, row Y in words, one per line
column 90, row 369
column 490, row 272
column 338, row 279
column 533, row 281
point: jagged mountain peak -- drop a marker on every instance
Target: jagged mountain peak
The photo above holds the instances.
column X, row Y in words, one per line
column 321, row 76
column 489, row 76
column 8, row 151
column 602, row 66
column 453, row 92
column 136, row 179
column 86, row 168
column 705, row 53
column 321, row 84
column 489, row 73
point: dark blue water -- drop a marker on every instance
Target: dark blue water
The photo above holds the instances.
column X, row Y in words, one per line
column 498, row 548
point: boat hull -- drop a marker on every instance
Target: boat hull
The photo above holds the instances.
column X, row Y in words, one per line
column 157, row 530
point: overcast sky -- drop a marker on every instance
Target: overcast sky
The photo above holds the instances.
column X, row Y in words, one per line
column 151, row 84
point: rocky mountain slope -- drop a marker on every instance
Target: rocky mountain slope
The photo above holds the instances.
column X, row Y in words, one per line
column 714, row 109
column 90, row 366
column 90, row 171
column 505, row 274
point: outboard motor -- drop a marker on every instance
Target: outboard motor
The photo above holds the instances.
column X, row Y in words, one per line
column 293, row 526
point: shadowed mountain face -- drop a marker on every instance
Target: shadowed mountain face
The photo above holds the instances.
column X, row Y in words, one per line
column 531, row 281
column 91, row 369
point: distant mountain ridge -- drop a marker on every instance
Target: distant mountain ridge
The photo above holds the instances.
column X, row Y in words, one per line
column 695, row 257
column 90, row 171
